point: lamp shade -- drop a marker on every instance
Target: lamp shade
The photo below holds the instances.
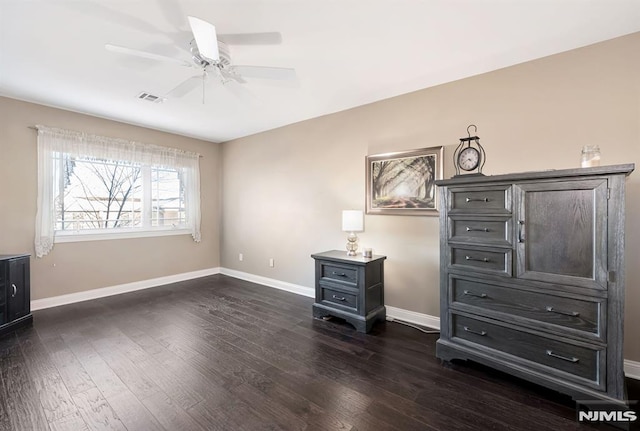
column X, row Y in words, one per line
column 352, row 221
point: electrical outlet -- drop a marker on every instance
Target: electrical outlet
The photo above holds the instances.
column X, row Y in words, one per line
column 240, row 257
column 271, row 263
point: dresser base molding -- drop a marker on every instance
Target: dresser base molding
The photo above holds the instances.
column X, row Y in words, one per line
column 448, row 351
column 15, row 324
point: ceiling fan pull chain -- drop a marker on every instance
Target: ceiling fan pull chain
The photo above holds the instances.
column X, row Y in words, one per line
column 204, row 76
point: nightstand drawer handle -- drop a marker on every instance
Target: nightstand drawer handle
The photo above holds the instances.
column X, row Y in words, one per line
column 477, row 200
column 475, row 259
column 481, row 333
column 481, row 295
column 15, row 290
column 564, row 313
column 564, row 358
column 339, row 298
column 339, row 274
column 471, row 229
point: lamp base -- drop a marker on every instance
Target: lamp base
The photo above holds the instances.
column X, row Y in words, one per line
column 352, row 244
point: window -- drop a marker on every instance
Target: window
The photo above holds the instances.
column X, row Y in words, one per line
column 92, row 187
column 98, row 194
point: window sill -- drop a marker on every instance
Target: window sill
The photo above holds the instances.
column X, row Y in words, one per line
column 79, row 237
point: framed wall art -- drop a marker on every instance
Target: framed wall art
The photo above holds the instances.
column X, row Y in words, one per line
column 403, row 183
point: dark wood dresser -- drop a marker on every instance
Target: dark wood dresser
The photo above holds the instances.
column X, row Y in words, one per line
column 15, row 298
column 532, row 276
column 350, row 287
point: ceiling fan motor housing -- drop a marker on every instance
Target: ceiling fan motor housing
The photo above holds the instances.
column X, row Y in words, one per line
column 224, row 60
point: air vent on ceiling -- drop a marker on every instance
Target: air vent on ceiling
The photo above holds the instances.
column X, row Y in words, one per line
column 150, row 97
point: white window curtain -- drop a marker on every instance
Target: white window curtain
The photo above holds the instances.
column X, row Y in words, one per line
column 53, row 140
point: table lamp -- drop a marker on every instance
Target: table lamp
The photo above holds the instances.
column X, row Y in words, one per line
column 352, row 222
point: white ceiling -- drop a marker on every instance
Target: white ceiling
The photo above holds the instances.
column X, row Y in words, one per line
column 346, row 53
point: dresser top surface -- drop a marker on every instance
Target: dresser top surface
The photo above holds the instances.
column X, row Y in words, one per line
column 12, row 256
column 341, row 256
column 625, row 169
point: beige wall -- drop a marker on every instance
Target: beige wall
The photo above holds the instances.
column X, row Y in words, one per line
column 284, row 189
column 80, row 266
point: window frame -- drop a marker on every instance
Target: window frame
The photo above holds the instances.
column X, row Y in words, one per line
column 54, row 144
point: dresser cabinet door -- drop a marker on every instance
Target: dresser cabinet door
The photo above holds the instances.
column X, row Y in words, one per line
column 561, row 232
column 17, row 287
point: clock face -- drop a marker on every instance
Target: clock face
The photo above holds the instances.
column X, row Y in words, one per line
column 468, row 159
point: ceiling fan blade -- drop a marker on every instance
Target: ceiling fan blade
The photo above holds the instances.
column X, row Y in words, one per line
column 172, row 12
column 231, row 76
column 186, row 86
column 262, row 72
column 145, row 54
column 268, row 38
column 205, row 35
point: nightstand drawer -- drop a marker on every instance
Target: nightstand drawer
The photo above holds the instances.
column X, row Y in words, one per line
column 340, row 273
column 494, row 261
column 577, row 360
column 585, row 315
column 340, row 298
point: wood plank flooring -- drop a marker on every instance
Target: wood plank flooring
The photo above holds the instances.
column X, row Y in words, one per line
column 219, row 353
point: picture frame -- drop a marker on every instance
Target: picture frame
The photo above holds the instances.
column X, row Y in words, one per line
column 403, row 183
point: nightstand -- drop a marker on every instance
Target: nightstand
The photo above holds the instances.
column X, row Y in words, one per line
column 350, row 287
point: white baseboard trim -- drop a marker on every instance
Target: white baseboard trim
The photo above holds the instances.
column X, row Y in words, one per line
column 413, row 317
column 632, row 369
column 55, row 301
column 270, row 282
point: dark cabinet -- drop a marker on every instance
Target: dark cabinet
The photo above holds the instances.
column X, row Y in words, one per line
column 532, row 276
column 15, row 295
column 350, row 287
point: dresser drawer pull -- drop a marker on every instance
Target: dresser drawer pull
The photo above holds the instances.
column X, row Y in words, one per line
column 484, row 229
column 481, row 333
column 564, row 358
column 477, row 200
column 339, row 274
column 339, row 298
column 481, row 295
column 475, row 259
column 564, row 313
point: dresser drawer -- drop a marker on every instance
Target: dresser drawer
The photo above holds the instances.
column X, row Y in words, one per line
column 493, row 261
column 584, row 315
column 577, row 360
column 478, row 200
column 340, row 273
column 480, row 230
column 337, row 297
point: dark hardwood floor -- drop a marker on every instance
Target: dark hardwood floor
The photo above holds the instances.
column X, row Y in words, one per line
column 223, row 354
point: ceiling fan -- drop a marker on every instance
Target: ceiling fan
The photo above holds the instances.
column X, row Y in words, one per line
column 210, row 55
